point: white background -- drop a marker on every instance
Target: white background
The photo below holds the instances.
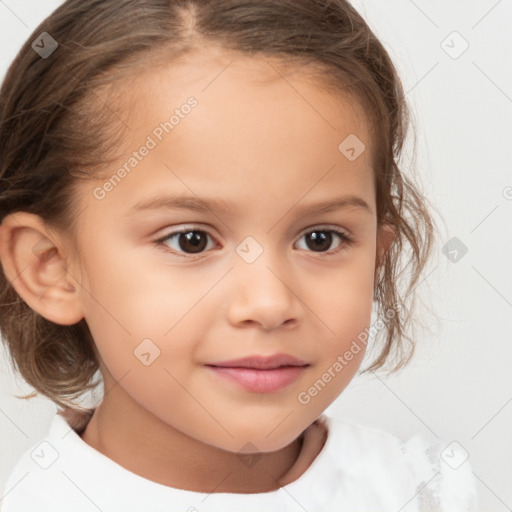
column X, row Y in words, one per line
column 459, row 385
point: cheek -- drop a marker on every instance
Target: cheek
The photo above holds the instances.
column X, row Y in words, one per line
column 143, row 300
column 349, row 295
column 343, row 346
column 346, row 309
column 139, row 313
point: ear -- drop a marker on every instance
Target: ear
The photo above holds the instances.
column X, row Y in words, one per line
column 34, row 261
column 385, row 237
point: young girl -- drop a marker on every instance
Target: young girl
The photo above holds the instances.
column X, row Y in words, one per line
column 202, row 201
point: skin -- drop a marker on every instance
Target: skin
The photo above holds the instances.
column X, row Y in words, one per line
column 266, row 148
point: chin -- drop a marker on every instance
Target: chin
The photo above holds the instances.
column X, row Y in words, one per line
column 262, row 438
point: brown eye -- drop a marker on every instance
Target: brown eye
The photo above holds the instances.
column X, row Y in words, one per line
column 191, row 241
column 195, row 241
column 320, row 240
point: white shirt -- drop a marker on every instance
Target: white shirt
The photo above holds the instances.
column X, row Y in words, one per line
column 359, row 469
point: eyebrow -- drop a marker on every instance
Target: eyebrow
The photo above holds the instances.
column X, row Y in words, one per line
column 221, row 207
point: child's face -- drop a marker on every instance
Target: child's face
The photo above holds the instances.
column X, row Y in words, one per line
column 253, row 284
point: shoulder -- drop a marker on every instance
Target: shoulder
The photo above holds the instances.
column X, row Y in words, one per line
column 445, row 472
column 40, row 473
column 435, row 476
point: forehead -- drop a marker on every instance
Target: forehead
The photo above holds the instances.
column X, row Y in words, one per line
column 216, row 76
column 259, row 127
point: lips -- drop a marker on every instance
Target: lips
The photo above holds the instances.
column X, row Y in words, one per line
column 261, row 362
column 260, row 374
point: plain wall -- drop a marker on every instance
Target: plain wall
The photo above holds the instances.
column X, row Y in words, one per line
column 458, row 386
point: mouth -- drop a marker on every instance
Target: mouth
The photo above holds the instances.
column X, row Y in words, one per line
column 260, row 374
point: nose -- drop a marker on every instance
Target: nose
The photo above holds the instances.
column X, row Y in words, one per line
column 263, row 294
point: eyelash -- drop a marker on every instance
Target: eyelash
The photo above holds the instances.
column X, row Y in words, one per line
column 346, row 241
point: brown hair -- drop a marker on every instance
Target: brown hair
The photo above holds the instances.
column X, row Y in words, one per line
column 55, row 129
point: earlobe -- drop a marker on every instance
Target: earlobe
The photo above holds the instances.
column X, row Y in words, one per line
column 33, row 262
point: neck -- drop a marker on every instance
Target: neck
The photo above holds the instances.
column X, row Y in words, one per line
column 119, row 429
